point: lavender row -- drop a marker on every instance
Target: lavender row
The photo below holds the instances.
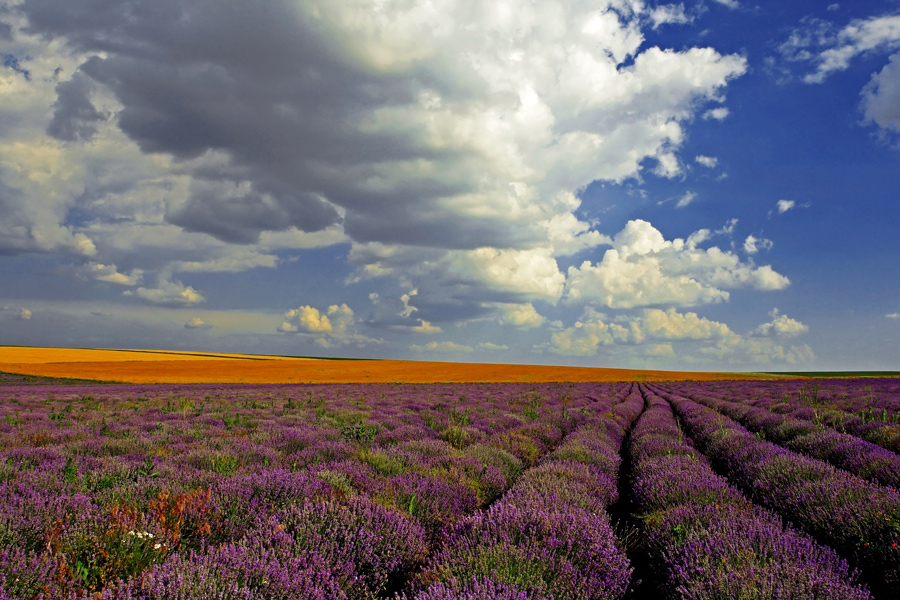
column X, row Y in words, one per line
column 852, row 395
column 705, row 540
column 877, row 426
column 549, row 536
column 139, row 486
column 858, row 519
column 866, row 408
column 862, row 458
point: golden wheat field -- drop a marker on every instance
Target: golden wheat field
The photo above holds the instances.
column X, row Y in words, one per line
column 150, row 366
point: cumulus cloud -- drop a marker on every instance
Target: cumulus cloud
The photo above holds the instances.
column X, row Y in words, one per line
column 451, row 136
column 661, row 350
column 425, row 327
column 523, row 316
column 335, row 326
column 732, row 4
column 881, row 96
column 492, row 347
column 716, row 114
column 665, row 14
column 443, row 347
column 759, row 351
column 781, row 325
column 595, row 329
column 753, row 244
column 288, row 327
column 169, row 293
column 893, row 316
column 709, row 162
column 311, row 320
column 644, row 269
column 110, row 274
column 685, row 338
column 22, row 314
column 197, row 323
column 785, row 205
column 670, row 324
column 583, row 339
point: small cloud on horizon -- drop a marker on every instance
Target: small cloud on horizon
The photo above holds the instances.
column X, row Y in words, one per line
column 197, row 323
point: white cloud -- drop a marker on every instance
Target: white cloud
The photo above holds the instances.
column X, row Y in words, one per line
column 444, row 347
column 830, row 49
column 311, row 320
column 781, row 325
column 893, row 316
column 709, row 162
column 681, row 338
column 753, row 244
column 335, row 326
column 716, row 114
column 661, row 350
column 670, row 324
column 492, row 347
column 425, row 327
column 407, row 308
column 523, row 316
column 595, row 329
column 583, row 339
column 686, row 199
column 236, row 261
column 110, row 274
column 197, row 323
column 669, row 14
column 760, row 351
column 643, row 269
column 22, row 314
column 728, row 228
column 533, row 273
column 785, row 205
column 171, row 293
column 732, row 4
column 287, row 327
column 881, row 97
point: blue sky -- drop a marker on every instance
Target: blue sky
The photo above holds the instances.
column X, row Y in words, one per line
column 707, row 185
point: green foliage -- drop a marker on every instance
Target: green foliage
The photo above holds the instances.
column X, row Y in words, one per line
column 455, row 436
column 359, row 432
column 224, row 464
column 383, row 463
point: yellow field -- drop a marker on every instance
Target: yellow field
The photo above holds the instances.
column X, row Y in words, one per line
column 148, row 366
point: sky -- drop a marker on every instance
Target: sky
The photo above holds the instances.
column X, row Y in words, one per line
column 705, row 185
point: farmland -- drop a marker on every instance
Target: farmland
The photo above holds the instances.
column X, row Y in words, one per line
column 145, row 366
column 718, row 489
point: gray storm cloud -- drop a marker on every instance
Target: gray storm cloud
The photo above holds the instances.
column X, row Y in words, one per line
column 445, row 141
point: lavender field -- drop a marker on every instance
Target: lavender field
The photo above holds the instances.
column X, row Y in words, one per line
column 699, row 490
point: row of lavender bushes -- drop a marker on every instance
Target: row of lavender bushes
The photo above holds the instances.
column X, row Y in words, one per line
column 705, row 541
column 550, row 535
column 866, row 408
column 263, row 492
column 862, row 458
column 871, row 417
column 858, row 519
